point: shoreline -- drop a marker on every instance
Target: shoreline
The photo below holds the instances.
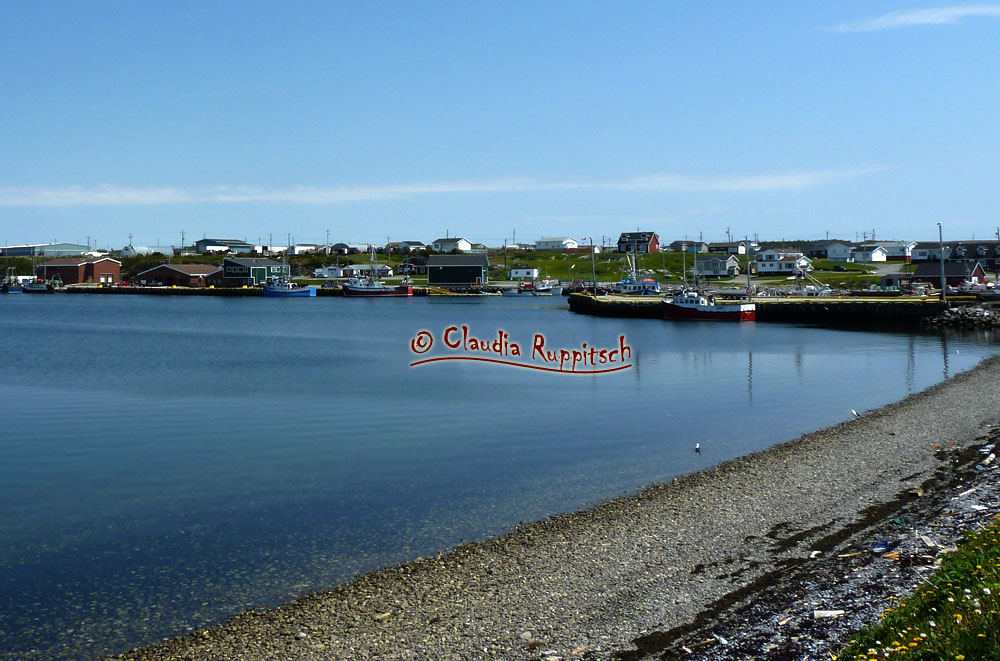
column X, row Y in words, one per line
column 649, row 567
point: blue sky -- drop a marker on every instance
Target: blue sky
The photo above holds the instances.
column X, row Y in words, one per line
column 413, row 120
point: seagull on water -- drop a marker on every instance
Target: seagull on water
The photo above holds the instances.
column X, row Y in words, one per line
column 697, row 448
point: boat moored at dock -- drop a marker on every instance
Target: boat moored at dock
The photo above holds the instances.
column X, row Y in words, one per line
column 369, row 285
column 283, row 287
column 694, row 305
column 539, row 288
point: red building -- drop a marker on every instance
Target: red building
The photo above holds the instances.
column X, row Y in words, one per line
column 181, row 275
column 639, row 242
column 80, row 270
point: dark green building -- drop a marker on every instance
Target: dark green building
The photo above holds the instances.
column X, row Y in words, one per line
column 469, row 270
column 239, row 272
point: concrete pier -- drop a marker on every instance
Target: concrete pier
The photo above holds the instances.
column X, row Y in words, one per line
column 816, row 310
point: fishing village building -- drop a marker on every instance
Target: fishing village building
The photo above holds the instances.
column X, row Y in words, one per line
column 639, row 242
column 179, row 275
column 204, row 246
column 787, row 261
column 556, row 243
column 717, row 265
column 458, row 270
column 44, row 250
column 455, row 244
column 247, row 272
column 955, row 273
column 81, row 270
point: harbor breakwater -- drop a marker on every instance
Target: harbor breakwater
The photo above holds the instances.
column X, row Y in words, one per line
column 826, row 311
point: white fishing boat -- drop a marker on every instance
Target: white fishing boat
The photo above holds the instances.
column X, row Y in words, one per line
column 370, row 285
column 283, row 287
column 535, row 288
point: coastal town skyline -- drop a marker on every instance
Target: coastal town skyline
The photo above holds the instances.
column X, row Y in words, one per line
column 132, row 123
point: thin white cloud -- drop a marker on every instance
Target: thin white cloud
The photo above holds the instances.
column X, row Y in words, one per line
column 903, row 19
column 79, row 196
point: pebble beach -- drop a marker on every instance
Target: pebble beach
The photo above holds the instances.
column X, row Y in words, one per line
column 643, row 575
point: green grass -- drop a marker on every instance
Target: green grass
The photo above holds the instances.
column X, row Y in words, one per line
column 953, row 615
column 827, row 265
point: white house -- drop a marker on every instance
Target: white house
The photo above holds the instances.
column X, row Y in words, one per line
column 719, row 265
column 730, row 247
column 556, row 243
column 785, row 261
column 898, row 250
column 523, row 274
column 450, row 244
column 868, row 253
column 839, row 252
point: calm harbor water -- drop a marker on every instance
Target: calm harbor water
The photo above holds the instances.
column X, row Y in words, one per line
column 168, row 462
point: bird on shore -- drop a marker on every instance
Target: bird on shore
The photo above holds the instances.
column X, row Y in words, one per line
column 854, row 413
column 697, row 448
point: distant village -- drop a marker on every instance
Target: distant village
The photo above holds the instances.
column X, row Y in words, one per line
column 456, row 261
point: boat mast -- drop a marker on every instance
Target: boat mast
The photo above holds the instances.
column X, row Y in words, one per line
column 749, row 287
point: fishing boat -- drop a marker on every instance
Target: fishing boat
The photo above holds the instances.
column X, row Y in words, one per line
column 633, row 285
column 693, row 305
column 283, row 287
column 38, row 286
column 11, row 285
column 533, row 288
column 370, row 285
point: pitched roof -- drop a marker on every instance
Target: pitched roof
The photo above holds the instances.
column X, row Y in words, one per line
column 187, row 269
column 951, row 269
column 77, row 261
column 458, row 260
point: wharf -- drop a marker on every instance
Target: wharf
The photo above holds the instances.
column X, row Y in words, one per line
column 826, row 310
column 201, row 291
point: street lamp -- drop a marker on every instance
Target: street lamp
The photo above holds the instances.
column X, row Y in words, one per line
column 944, row 286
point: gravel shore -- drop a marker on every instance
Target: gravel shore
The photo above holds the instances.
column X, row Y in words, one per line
column 728, row 554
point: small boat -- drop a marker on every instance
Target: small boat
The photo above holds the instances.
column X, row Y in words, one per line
column 38, row 286
column 693, row 305
column 539, row 288
column 283, row 287
column 11, row 285
column 369, row 285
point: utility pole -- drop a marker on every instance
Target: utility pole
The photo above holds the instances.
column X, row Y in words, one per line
column 944, row 287
column 593, row 265
column 684, row 251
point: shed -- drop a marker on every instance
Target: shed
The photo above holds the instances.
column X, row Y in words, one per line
column 239, row 272
column 80, row 270
column 955, row 273
column 458, row 270
column 181, row 275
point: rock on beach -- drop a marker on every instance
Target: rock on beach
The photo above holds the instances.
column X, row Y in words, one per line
column 645, row 575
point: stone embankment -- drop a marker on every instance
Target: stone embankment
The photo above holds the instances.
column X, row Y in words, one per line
column 973, row 316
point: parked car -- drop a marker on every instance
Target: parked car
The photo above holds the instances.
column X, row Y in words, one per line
column 839, row 267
